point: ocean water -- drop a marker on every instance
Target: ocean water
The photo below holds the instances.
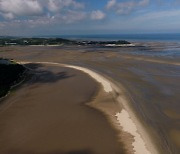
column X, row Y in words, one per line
column 167, row 51
column 128, row 37
column 160, row 45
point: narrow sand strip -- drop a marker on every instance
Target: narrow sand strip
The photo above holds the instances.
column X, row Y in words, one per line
column 123, row 118
column 129, row 126
column 128, row 123
column 105, row 83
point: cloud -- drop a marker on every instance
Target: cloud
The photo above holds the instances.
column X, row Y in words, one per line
column 126, row 7
column 58, row 5
column 110, row 4
column 71, row 17
column 52, row 6
column 7, row 15
column 41, row 12
column 12, row 8
column 97, row 15
column 143, row 3
column 169, row 14
column 33, row 13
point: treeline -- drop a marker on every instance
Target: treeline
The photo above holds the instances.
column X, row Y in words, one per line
column 54, row 41
column 9, row 75
column 120, row 42
column 34, row 41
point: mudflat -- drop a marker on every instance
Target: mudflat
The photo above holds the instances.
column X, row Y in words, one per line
column 151, row 81
column 48, row 114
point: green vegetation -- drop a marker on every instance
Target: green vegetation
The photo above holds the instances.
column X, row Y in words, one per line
column 10, row 74
column 33, row 41
column 54, row 41
column 120, row 42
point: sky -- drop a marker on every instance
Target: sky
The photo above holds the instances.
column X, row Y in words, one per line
column 82, row 17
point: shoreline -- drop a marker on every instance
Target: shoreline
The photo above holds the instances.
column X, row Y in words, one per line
column 16, row 84
column 41, row 117
column 142, row 141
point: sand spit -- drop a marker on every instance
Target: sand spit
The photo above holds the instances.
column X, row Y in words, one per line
column 126, row 118
column 129, row 126
column 123, row 117
column 106, row 85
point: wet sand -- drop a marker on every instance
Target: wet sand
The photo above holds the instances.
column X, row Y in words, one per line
column 49, row 115
column 151, row 84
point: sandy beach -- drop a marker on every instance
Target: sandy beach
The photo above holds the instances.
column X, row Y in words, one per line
column 119, row 89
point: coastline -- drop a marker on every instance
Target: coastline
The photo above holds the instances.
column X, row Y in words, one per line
column 150, row 80
column 17, row 83
column 125, row 120
column 128, row 121
column 40, row 117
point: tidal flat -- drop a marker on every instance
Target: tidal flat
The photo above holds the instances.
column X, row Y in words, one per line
column 148, row 73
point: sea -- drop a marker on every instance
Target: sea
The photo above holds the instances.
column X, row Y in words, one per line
column 165, row 45
column 129, row 37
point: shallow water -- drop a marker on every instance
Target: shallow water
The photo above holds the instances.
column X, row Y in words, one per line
column 169, row 51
